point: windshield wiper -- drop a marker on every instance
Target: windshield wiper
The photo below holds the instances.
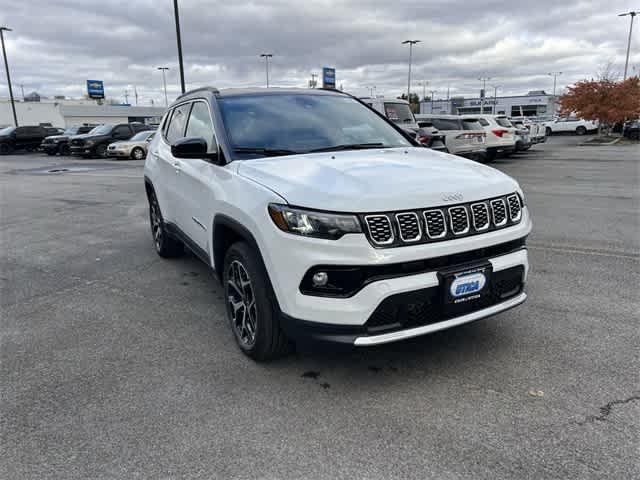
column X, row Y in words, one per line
column 267, row 152
column 347, row 146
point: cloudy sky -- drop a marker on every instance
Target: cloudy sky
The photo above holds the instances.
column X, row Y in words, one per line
column 57, row 44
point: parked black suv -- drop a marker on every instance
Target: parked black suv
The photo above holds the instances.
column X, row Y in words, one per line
column 94, row 144
column 60, row 143
column 21, row 138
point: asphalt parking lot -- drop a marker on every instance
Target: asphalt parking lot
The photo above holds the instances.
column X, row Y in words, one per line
column 118, row 364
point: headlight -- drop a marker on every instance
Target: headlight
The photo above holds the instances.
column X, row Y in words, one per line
column 88, row 143
column 309, row 223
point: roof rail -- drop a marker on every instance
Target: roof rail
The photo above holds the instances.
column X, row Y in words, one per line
column 213, row 90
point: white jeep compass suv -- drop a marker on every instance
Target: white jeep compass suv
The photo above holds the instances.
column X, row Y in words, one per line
column 325, row 222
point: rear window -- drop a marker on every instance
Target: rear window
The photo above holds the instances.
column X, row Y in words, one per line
column 398, row 112
column 446, row 123
column 483, row 122
column 504, row 122
column 471, row 124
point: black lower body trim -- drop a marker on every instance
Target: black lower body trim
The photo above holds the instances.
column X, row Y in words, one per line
column 175, row 231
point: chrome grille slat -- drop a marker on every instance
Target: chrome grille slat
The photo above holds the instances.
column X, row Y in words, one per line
column 436, row 225
column 499, row 212
column 480, row 216
column 409, row 226
column 515, row 209
column 380, row 229
column 459, row 220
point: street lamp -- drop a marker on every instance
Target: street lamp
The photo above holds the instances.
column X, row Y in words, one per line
column 424, row 84
column 164, row 82
column 6, row 66
column 555, row 75
column 433, row 96
column 266, row 57
column 626, row 63
column 484, row 94
column 411, row 44
column 179, row 40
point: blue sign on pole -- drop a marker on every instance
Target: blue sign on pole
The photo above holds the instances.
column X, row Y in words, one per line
column 95, row 88
column 328, row 77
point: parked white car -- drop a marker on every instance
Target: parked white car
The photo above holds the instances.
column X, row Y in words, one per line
column 501, row 134
column 396, row 110
column 325, row 223
column 570, row 125
column 464, row 137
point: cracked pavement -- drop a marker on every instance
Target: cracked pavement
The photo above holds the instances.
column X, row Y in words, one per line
column 115, row 363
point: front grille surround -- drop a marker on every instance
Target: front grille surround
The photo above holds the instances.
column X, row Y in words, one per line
column 409, row 222
column 480, row 216
column 435, row 220
column 380, row 229
column 441, row 223
column 499, row 212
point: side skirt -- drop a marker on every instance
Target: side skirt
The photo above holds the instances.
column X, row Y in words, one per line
column 176, row 232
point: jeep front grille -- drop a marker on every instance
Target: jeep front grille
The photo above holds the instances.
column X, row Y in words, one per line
column 380, row 230
column 396, row 229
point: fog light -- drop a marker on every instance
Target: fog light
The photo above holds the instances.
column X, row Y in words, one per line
column 320, row 279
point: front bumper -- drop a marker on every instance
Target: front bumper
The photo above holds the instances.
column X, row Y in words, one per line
column 48, row 147
column 119, row 153
column 82, row 150
column 295, row 256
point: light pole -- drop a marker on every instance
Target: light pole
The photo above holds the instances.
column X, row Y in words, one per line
column 411, row 44
column 495, row 96
column 484, row 92
column 626, row 63
column 164, row 83
column 424, row 84
column 179, row 40
column 266, row 57
column 555, row 75
column 433, row 96
column 313, row 83
column 6, row 66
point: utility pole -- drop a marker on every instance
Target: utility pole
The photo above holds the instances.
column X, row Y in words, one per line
column 126, row 96
column 484, row 92
column 6, row 66
column 424, row 84
column 313, row 83
column 433, row 95
column 164, row 82
column 22, row 90
column 135, row 92
column 555, row 75
column 495, row 96
column 411, row 44
column 626, row 63
column 267, row 56
column 179, row 40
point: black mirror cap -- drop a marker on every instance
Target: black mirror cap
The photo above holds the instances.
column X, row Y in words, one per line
column 193, row 147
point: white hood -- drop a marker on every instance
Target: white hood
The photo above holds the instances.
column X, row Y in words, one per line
column 376, row 180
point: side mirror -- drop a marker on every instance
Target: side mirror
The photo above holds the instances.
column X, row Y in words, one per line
column 193, row 147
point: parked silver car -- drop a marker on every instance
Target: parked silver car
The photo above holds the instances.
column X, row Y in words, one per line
column 463, row 137
column 135, row 147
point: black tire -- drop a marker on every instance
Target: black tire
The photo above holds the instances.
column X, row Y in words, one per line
column 242, row 264
column 581, row 130
column 166, row 245
column 137, row 153
column 490, row 157
column 101, row 151
column 64, row 149
column 548, row 131
column 5, row 149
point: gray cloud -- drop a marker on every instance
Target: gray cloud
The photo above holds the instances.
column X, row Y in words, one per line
column 56, row 46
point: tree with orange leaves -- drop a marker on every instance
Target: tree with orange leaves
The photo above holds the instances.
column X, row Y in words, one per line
column 604, row 100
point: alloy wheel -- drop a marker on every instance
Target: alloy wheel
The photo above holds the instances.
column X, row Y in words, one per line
column 156, row 223
column 242, row 304
column 138, row 154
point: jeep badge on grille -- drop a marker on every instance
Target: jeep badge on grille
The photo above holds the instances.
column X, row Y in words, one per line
column 452, row 197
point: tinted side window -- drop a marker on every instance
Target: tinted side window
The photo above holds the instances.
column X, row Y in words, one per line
column 122, row 131
column 178, row 121
column 200, row 123
column 446, row 124
column 483, row 122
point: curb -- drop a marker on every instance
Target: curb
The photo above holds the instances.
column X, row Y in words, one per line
column 586, row 144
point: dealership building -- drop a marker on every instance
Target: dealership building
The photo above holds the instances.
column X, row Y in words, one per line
column 69, row 113
column 534, row 104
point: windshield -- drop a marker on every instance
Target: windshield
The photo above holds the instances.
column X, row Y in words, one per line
column 504, row 122
column 7, row 131
column 102, row 129
column 299, row 123
column 399, row 113
column 140, row 137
